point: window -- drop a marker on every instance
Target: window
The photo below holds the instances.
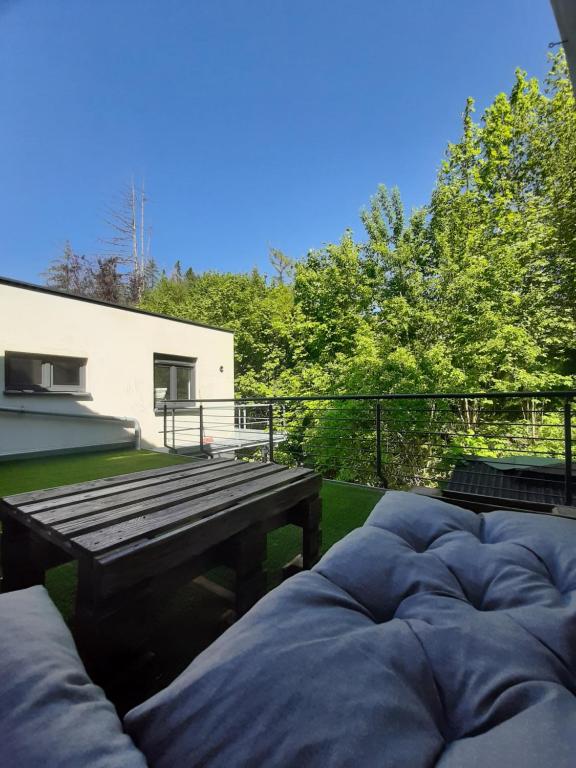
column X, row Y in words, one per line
column 174, row 379
column 44, row 373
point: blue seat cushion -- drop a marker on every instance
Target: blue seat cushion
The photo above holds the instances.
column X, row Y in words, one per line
column 51, row 714
column 430, row 636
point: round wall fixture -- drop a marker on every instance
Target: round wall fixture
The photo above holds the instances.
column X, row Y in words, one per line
column 221, row 369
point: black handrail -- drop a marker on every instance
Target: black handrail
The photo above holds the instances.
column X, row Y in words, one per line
column 563, row 393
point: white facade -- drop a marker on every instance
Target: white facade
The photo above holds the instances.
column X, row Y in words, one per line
column 117, row 347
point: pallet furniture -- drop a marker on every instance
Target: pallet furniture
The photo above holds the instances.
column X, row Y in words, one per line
column 149, row 532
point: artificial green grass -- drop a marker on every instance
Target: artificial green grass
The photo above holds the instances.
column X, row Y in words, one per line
column 32, row 474
column 345, row 507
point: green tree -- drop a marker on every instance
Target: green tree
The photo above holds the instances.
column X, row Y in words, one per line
column 474, row 291
column 282, row 264
column 333, row 296
column 257, row 311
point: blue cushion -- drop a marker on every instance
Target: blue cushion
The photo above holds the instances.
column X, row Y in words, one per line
column 430, row 636
column 51, row 714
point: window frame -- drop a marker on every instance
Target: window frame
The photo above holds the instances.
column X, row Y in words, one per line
column 173, row 362
column 46, row 386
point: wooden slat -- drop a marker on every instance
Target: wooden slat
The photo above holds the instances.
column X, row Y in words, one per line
column 122, row 499
column 166, row 501
column 111, row 490
column 114, row 516
column 163, row 519
column 64, row 490
column 127, row 565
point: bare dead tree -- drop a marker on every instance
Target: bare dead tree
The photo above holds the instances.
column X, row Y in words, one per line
column 129, row 241
column 123, row 269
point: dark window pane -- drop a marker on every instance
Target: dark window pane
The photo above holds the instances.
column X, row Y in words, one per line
column 183, row 383
column 161, row 382
column 23, row 373
column 66, row 373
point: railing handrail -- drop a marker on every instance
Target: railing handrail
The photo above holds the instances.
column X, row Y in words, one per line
column 563, row 394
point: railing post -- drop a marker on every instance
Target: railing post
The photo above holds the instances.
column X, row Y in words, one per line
column 378, row 439
column 270, row 432
column 165, row 409
column 173, row 428
column 568, row 451
column 201, row 426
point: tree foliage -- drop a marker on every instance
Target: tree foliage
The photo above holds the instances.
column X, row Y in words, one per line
column 103, row 277
column 259, row 312
column 475, row 291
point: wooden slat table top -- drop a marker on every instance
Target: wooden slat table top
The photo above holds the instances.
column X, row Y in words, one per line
column 114, row 515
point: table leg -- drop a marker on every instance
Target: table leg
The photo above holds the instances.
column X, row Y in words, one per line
column 311, row 532
column 89, row 619
column 307, row 514
column 111, row 635
column 249, row 554
column 20, row 569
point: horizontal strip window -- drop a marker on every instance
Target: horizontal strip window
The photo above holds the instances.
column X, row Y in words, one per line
column 36, row 373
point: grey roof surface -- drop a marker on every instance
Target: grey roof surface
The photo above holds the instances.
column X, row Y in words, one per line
column 510, row 480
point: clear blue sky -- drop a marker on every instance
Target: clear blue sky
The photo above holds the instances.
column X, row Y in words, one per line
column 253, row 122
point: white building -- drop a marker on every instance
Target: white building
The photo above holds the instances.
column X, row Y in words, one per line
column 78, row 373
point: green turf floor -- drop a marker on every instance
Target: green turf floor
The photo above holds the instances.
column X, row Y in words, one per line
column 189, row 616
column 32, row 474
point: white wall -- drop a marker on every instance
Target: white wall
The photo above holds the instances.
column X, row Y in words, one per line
column 119, row 346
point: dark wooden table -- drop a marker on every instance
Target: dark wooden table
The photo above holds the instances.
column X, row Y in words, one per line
column 148, row 532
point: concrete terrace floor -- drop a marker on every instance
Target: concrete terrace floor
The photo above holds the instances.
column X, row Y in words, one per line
column 189, row 620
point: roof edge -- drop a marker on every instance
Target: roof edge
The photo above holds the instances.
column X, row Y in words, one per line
column 76, row 297
column 565, row 13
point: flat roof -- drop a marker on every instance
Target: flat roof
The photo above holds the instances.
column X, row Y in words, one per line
column 76, row 297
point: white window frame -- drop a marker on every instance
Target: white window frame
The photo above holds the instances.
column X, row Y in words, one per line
column 47, row 374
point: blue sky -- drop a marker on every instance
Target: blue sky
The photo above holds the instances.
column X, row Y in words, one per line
column 252, row 122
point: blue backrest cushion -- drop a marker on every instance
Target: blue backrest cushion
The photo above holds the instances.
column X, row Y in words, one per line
column 51, row 714
column 431, row 636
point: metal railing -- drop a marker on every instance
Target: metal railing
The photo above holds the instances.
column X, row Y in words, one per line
column 502, row 445
column 213, row 427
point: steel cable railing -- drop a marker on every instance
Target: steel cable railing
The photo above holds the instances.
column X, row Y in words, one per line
column 506, row 445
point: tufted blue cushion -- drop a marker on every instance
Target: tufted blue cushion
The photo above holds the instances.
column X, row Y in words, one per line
column 430, row 636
